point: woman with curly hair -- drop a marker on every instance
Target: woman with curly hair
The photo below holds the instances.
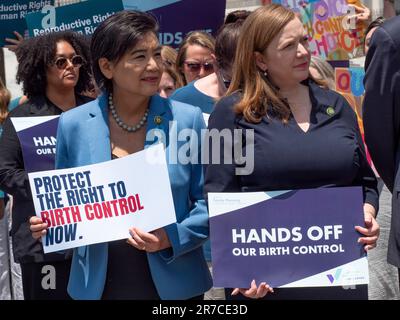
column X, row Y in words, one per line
column 53, row 69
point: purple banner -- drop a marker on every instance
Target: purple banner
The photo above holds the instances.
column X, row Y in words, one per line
column 300, row 238
column 37, row 136
column 179, row 18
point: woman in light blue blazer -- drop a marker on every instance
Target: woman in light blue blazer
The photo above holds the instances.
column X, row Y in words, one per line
column 167, row 263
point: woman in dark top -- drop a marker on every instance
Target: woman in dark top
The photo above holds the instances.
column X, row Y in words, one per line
column 305, row 136
column 53, row 69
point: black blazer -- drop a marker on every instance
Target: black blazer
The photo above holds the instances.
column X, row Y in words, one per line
column 14, row 180
column 381, row 117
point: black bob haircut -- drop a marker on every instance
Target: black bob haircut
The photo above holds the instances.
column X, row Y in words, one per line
column 34, row 55
column 115, row 36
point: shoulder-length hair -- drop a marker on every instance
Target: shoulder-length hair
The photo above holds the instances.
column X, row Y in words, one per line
column 258, row 94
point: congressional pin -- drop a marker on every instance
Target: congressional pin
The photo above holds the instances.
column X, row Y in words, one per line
column 157, row 120
column 330, row 111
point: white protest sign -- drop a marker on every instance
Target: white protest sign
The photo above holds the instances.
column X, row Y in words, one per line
column 100, row 202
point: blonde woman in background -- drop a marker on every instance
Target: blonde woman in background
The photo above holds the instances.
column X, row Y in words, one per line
column 168, row 55
column 170, row 81
column 195, row 56
column 321, row 70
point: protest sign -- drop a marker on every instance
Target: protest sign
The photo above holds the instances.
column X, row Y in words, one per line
column 100, row 202
column 176, row 17
column 12, row 16
column 82, row 17
column 301, row 238
column 349, row 83
column 147, row 5
column 334, row 32
column 180, row 17
column 37, row 137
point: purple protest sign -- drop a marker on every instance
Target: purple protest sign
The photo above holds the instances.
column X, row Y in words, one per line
column 302, row 238
column 179, row 18
column 37, row 136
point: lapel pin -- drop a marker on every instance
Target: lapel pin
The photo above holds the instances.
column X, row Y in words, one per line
column 330, row 111
column 157, row 120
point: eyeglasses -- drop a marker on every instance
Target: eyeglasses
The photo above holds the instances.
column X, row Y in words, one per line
column 196, row 66
column 62, row 62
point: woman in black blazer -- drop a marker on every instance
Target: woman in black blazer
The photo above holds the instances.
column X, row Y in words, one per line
column 54, row 69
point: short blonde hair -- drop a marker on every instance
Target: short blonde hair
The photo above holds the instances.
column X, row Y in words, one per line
column 168, row 55
column 171, row 71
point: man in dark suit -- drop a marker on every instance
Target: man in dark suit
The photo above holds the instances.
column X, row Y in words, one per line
column 381, row 116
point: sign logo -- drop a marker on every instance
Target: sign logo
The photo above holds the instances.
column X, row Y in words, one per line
column 336, row 276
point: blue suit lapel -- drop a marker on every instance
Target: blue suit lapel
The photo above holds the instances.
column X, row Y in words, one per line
column 99, row 133
column 159, row 117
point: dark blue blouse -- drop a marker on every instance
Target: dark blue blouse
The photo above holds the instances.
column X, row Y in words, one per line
column 330, row 153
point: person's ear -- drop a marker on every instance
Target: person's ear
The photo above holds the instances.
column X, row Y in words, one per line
column 106, row 68
column 260, row 61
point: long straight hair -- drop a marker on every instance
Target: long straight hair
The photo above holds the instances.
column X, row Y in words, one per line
column 258, row 31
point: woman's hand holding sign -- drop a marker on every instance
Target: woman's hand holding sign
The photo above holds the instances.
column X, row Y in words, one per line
column 371, row 229
column 38, row 227
column 254, row 292
column 149, row 241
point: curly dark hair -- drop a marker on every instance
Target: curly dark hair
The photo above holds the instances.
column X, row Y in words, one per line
column 36, row 54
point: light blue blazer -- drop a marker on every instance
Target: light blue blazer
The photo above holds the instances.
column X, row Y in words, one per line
column 179, row 272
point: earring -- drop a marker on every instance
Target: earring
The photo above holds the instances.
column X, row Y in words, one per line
column 265, row 73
